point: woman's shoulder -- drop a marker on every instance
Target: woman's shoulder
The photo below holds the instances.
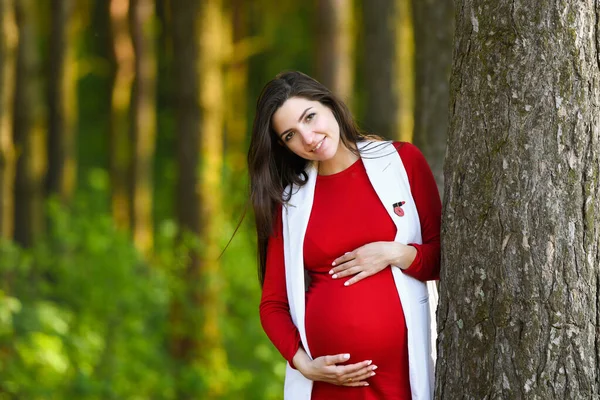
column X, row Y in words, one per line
column 408, row 150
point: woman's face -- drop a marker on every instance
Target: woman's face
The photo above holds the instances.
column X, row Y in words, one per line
column 308, row 128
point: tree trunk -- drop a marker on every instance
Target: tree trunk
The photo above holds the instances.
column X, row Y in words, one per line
column 237, row 91
column 8, row 45
column 388, row 74
column 143, row 123
column 212, row 108
column 120, row 141
column 520, row 287
column 198, row 62
column 335, row 55
column 62, row 101
column 29, row 135
column 434, row 27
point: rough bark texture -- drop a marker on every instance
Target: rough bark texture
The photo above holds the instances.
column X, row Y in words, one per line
column 29, row 134
column 8, row 43
column 62, row 101
column 433, row 22
column 143, row 126
column 519, row 304
column 123, row 60
column 335, row 55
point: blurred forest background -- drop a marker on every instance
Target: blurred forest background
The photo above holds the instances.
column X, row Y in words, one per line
column 124, row 127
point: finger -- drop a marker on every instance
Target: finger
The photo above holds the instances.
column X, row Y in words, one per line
column 362, row 374
column 347, row 272
column 356, row 384
column 342, row 267
column 345, row 371
column 336, row 359
column 346, row 257
column 357, row 278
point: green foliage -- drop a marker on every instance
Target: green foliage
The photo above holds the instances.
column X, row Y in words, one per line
column 83, row 316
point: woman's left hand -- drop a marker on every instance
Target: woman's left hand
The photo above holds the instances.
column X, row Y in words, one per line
column 371, row 258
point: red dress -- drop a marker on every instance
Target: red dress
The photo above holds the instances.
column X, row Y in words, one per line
column 365, row 319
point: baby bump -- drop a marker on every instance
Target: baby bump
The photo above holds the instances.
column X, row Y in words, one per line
column 365, row 320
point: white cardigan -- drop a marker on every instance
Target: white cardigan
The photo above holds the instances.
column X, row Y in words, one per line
column 388, row 177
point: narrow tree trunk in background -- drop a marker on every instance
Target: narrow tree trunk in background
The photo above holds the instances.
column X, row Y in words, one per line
column 406, row 74
column 237, row 87
column 184, row 329
column 212, row 33
column 143, row 123
column 335, row 51
column 8, row 45
column 388, row 75
column 29, row 136
column 120, row 140
column 62, row 101
column 380, row 68
column 198, row 35
column 433, row 23
column 520, row 287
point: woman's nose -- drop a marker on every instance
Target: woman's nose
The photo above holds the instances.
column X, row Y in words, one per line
column 308, row 136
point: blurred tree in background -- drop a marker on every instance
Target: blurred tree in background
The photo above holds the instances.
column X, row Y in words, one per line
column 124, row 127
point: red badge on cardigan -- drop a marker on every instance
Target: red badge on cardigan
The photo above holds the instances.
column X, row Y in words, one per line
column 398, row 208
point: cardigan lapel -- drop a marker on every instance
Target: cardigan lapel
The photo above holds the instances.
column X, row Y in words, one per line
column 296, row 214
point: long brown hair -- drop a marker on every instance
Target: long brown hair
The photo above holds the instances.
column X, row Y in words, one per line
column 271, row 166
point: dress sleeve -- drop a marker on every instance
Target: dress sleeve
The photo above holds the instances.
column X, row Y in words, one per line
column 274, row 307
column 426, row 265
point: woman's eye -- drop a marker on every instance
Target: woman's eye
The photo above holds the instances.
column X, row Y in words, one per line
column 288, row 137
column 310, row 116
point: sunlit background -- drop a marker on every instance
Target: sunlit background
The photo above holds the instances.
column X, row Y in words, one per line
column 124, row 128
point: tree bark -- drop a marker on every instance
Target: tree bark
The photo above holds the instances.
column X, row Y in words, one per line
column 519, row 311
column 143, row 123
column 29, row 134
column 123, row 59
column 62, row 101
column 335, row 51
column 8, row 45
column 433, row 23
column 388, row 73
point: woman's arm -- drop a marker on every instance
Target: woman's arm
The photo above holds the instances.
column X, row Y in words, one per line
column 426, row 264
column 274, row 308
column 421, row 261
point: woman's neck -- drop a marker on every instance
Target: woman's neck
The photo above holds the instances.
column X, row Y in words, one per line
column 343, row 159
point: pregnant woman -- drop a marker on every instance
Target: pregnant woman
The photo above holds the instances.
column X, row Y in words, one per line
column 348, row 233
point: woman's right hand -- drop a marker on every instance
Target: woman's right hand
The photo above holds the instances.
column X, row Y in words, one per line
column 325, row 369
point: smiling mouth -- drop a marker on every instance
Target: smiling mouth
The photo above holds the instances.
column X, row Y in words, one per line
column 318, row 146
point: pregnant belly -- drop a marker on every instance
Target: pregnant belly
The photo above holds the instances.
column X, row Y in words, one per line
column 365, row 319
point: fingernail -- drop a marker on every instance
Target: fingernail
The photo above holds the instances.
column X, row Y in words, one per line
column 330, row 272
column 346, row 356
column 372, row 373
column 346, row 283
column 334, row 276
column 366, row 384
column 374, row 368
column 369, row 362
column 333, row 263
